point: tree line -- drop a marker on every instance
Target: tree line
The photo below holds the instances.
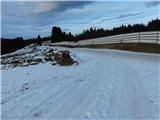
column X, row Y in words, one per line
column 57, row 35
column 10, row 45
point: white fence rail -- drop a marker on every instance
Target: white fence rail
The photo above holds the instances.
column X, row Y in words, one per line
column 142, row 37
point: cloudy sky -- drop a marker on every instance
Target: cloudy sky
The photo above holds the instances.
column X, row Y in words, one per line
column 28, row 19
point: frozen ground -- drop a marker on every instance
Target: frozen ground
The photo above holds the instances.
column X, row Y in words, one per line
column 107, row 84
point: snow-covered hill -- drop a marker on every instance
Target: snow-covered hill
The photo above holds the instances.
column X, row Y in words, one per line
column 106, row 84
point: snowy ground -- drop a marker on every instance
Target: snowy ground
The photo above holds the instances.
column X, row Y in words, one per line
column 107, row 84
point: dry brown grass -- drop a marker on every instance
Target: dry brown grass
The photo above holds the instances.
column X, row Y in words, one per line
column 137, row 47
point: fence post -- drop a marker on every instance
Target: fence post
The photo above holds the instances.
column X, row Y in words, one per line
column 121, row 40
column 157, row 37
column 139, row 37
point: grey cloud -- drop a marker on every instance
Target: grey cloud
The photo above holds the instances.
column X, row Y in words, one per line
column 122, row 16
column 62, row 6
column 152, row 3
column 25, row 8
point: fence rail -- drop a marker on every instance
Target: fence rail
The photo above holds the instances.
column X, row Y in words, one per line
column 141, row 37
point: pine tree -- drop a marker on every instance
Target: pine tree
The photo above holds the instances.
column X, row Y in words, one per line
column 39, row 40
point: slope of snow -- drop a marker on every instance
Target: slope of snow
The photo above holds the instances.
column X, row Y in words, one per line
column 107, row 84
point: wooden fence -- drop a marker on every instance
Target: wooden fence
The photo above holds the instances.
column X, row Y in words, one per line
column 141, row 37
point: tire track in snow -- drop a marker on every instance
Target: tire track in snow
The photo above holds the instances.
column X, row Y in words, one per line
column 19, row 94
column 45, row 112
column 43, row 107
column 129, row 100
column 21, row 105
column 78, row 98
column 87, row 95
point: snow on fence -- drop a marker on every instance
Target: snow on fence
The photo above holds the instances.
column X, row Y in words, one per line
column 141, row 37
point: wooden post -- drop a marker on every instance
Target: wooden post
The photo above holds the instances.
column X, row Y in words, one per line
column 157, row 37
column 121, row 40
column 139, row 37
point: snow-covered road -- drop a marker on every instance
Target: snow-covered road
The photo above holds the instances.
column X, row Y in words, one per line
column 107, row 84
